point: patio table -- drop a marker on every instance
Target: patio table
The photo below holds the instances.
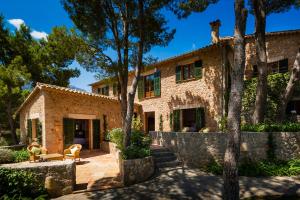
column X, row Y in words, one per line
column 52, row 156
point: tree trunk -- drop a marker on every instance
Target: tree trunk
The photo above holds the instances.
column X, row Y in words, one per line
column 231, row 157
column 11, row 120
column 259, row 7
column 131, row 94
column 288, row 92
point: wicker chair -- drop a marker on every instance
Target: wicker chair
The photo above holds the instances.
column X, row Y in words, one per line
column 68, row 153
column 34, row 157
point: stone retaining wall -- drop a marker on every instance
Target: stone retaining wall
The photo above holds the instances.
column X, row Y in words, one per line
column 59, row 176
column 136, row 170
column 198, row 149
column 14, row 147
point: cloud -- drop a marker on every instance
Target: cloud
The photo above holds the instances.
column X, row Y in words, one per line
column 16, row 22
column 193, row 46
column 39, row 35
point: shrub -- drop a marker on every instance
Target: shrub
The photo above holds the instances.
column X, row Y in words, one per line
column 134, row 152
column 261, row 168
column 20, row 183
column 20, row 156
column 116, row 136
column 137, row 123
column 215, row 168
column 6, row 156
column 138, row 138
column 272, row 127
column 3, row 142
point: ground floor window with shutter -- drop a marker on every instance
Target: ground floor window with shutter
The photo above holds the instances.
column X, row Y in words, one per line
column 189, row 120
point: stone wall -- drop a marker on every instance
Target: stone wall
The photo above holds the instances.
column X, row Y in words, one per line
column 198, row 149
column 136, row 170
column 59, row 177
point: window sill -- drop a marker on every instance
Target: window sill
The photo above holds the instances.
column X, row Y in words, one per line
column 147, row 98
column 187, row 80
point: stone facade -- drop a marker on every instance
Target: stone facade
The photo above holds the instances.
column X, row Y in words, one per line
column 207, row 92
column 199, row 149
column 59, row 177
column 52, row 104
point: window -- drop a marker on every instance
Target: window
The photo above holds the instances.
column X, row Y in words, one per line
column 115, row 89
column 280, row 66
column 103, row 90
column 255, row 71
column 149, row 86
column 189, row 71
column 192, row 119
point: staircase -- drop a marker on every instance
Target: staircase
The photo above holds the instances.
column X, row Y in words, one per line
column 164, row 159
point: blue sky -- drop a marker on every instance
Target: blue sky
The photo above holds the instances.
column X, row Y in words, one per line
column 192, row 33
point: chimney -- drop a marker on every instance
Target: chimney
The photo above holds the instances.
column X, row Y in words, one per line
column 215, row 26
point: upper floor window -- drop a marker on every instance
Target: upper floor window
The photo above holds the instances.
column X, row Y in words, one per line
column 149, row 86
column 189, row 71
column 281, row 66
column 104, row 90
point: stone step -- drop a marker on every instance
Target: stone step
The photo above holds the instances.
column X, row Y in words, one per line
column 168, row 169
column 162, row 149
column 174, row 163
column 165, row 158
column 162, row 154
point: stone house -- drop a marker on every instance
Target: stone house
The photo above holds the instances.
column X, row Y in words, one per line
column 60, row 116
column 188, row 92
column 183, row 93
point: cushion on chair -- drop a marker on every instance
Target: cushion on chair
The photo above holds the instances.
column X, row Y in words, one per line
column 36, row 150
column 68, row 154
column 73, row 150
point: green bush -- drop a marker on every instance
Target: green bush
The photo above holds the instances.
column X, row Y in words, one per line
column 134, row 152
column 261, row 168
column 20, row 183
column 116, row 136
column 269, row 127
column 276, row 84
column 3, row 142
column 215, row 168
column 6, row 156
column 139, row 147
column 20, row 156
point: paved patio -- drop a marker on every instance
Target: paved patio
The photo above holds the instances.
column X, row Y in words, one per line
column 97, row 170
column 195, row 184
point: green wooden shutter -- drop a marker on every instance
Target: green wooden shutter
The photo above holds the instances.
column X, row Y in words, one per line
column 178, row 74
column 39, row 135
column 157, row 83
column 176, row 118
column 69, row 130
column 198, row 69
column 200, row 122
column 141, row 88
column 29, row 130
column 96, row 134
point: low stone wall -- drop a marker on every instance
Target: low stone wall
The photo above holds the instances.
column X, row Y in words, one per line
column 198, row 149
column 136, row 170
column 59, row 176
column 14, row 147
